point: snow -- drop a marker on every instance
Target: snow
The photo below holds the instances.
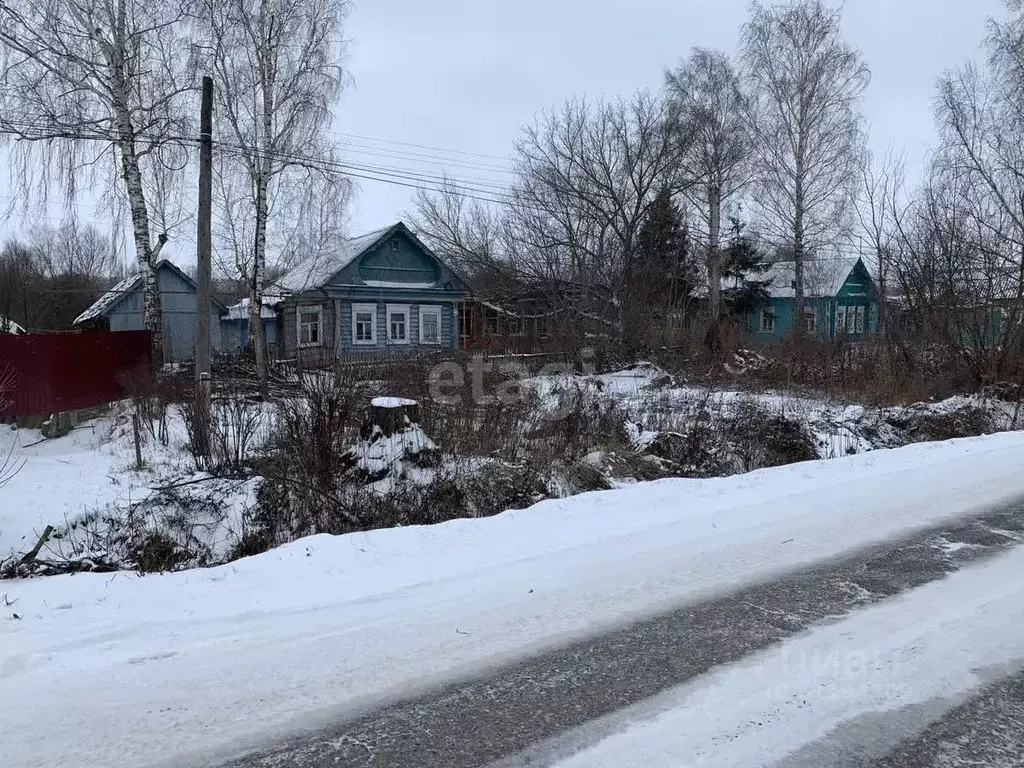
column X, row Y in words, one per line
column 929, row 644
column 110, row 298
column 391, row 402
column 244, row 653
column 240, row 311
column 9, row 326
column 91, row 473
column 318, row 269
column 378, row 455
column 396, row 284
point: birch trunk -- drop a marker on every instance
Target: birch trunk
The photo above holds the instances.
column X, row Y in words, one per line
column 256, row 286
column 714, row 263
column 114, row 51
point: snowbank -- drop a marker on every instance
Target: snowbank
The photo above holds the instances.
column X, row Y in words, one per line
column 243, row 653
column 929, row 645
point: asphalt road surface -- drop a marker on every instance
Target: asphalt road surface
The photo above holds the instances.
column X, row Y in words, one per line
column 511, row 717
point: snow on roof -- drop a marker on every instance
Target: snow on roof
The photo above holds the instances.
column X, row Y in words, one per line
column 109, row 299
column 823, row 278
column 391, row 402
column 273, row 297
column 396, row 284
column 315, row 271
column 9, row 326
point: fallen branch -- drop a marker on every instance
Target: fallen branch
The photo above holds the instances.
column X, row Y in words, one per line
column 31, row 554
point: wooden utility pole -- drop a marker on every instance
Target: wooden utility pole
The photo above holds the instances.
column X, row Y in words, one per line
column 203, row 237
column 204, row 258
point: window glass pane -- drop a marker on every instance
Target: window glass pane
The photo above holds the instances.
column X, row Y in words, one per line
column 398, row 327
column 429, row 327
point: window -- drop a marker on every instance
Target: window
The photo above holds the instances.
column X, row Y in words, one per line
column 767, row 321
column 465, row 320
column 542, row 326
column 810, row 319
column 430, row 325
column 515, row 325
column 858, row 323
column 364, row 323
column 490, row 321
column 840, row 320
column 310, row 326
column 398, row 324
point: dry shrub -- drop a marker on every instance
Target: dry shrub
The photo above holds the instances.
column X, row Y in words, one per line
column 303, row 468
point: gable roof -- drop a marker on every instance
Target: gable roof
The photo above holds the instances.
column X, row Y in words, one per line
column 317, row 271
column 823, row 277
column 106, row 302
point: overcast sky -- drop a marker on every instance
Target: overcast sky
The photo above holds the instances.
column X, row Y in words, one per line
column 466, row 74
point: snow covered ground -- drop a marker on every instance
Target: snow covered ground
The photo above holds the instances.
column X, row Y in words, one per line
column 928, row 648
column 120, row 669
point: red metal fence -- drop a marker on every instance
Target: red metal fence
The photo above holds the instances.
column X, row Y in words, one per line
column 66, row 371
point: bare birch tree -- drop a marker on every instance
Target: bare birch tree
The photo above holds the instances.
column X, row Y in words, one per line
column 806, row 84
column 710, row 110
column 587, row 175
column 278, row 69
column 82, row 78
column 880, row 210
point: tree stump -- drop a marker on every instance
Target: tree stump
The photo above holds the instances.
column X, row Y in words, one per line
column 391, row 415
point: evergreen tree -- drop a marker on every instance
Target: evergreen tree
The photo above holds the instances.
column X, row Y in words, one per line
column 742, row 263
column 664, row 273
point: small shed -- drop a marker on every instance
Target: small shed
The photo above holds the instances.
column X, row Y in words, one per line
column 120, row 309
column 234, row 324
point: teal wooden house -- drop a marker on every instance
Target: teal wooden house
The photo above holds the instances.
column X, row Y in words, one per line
column 840, row 300
column 385, row 290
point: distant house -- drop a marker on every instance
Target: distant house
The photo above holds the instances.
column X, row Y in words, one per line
column 120, row 309
column 385, row 290
column 531, row 318
column 840, row 300
column 234, row 323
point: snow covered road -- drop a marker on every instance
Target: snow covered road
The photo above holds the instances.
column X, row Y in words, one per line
column 892, row 661
column 182, row 668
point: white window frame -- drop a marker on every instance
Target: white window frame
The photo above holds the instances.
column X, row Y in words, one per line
column 768, row 327
column 398, row 309
column 435, row 310
column 308, row 309
column 840, row 319
column 810, row 313
column 364, row 308
column 859, row 319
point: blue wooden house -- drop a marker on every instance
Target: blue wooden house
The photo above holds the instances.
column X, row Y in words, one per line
column 120, row 309
column 385, row 290
column 840, row 300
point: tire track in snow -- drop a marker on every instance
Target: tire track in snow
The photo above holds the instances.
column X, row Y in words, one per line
column 500, row 717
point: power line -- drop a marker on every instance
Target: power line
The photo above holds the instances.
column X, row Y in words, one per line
column 418, row 146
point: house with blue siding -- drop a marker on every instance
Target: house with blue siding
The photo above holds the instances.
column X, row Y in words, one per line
column 120, row 309
column 840, row 300
column 385, row 290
